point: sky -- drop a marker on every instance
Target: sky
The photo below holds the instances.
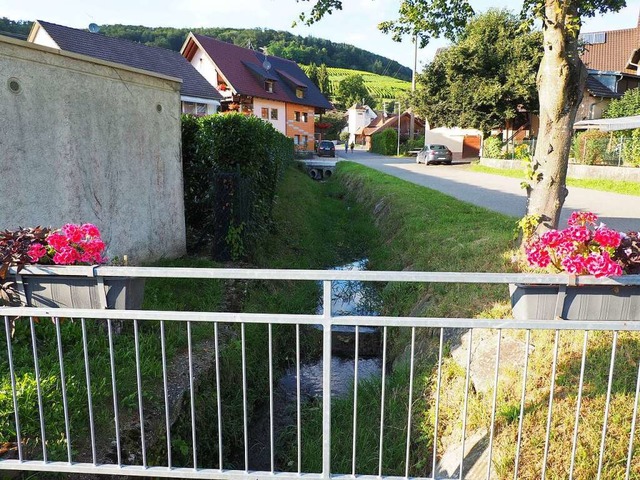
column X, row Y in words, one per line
column 356, row 24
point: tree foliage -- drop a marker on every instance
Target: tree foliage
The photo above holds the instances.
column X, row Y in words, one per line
column 484, row 78
column 626, row 106
column 353, row 90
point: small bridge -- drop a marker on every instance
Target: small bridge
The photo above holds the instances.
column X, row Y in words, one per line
column 319, row 169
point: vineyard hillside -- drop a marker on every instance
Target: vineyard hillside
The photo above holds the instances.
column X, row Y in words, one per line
column 380, row 87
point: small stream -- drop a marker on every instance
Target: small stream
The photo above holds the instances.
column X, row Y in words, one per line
column 348, row 298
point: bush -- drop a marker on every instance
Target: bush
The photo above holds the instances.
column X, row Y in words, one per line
column 492, row 148
column 521, row 152
column 232, row 164
column 631, row 149
column 594, row 148
column 415, row 144
column 385, row 142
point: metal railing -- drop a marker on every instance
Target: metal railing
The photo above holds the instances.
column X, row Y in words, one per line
column 93, row 452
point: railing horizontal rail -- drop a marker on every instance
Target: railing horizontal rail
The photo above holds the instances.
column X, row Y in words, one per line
column 321, row 275
column 346, row 320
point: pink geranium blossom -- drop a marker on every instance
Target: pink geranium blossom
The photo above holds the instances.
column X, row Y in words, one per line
column 580, row 249
column 36, row 252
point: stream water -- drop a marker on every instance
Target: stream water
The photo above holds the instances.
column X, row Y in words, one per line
column 347, row 298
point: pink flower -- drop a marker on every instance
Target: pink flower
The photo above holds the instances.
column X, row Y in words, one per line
column 538, row 255
column 601, row 265
column 66, row 256
column 36, row 252
column 607, row 237
column 57, row 241
column 73, row 232
column 552, row 238
column 574, row 264
column 90, row 230
column 582, row 218
column 580, row 234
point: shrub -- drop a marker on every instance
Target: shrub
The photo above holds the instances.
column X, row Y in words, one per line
column 521, row 151
column 594, row 148
column 492, row 148
column 232, row 164
column 385, row 142
column 631, row 149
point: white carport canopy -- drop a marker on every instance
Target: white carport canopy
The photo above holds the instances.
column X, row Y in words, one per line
column 610, row 124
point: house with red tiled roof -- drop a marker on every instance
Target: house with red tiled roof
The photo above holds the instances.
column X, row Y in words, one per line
column 612, row 60
column 255, row 83
column 383, row 121
column 197, row 95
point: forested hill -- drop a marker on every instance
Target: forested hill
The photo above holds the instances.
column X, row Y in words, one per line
column 304, row 50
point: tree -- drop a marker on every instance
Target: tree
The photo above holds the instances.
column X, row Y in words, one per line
column 323, row 80
column 312, row 73
column 352, row 90
column 560, row 79
column 483, row 79
column 626, row 106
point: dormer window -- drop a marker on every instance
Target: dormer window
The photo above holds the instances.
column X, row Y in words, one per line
column 300, row 92
column 268, row 86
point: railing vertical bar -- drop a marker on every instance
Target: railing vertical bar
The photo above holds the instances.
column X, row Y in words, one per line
column 522, row 402
column 192, row 398
column 437, row 406
column 114, row 390
column 13, row 387
column 36, row 365
column 63, row 385
column 167, row 419
column 410, row 405
column 245, row 414
column 326, row 378
column 298, row 401
column 583, row 363
column 271, row 428
column 218, row 399
column 143, row 440
column 633, row 425
column 355, row 399
column 382, row 397
column 494, row 403
column 552, row 388
column 89, row 399
column 466, row 404
column 614, row 345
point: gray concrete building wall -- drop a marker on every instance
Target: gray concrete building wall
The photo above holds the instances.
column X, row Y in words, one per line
column 83, row 140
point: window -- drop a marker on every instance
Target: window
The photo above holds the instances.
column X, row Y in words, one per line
column 305, row 141
column 300, row 92
column 297, row 116
column 305, row 117
column 268, row 86
column 296, row 140
column 265, row 113
column 274, row 114
column 193, row 108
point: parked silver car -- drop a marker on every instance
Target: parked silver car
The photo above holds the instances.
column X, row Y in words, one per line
column 434, row 153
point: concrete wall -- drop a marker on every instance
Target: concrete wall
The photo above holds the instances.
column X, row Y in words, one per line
column 574, row 171
column 88, row 141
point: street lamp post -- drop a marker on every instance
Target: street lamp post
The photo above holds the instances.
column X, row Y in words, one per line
column 398, row 150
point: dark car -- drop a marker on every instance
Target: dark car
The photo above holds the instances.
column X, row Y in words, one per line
column 434, row 153
column 326, row 148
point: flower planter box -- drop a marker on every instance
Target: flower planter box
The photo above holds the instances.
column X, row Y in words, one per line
column 61, row 291
column 584, row 302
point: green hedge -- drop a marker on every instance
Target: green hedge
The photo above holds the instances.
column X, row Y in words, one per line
column 385, row 143
column 232, row 165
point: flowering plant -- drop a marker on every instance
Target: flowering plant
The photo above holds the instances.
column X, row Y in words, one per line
column 70, row 245
column 585, row 247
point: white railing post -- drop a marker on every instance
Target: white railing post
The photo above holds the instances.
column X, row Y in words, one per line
column 326, row 379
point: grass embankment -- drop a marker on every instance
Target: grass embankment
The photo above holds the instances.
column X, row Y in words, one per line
column 304, row 237
column 424, row 230
column 614, row 186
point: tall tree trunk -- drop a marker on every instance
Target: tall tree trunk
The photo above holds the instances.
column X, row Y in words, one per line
column 561, row 80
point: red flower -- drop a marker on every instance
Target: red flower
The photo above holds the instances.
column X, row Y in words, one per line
column 36, row 252
column 582, row 218
column 607, row 237
column 73, row 232
column 57, row 241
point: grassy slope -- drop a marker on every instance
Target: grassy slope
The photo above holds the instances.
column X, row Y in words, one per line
column 379, row 86
column 456, row 236
column 614, row 186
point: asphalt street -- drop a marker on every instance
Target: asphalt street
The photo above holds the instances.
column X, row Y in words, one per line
column 500, row 194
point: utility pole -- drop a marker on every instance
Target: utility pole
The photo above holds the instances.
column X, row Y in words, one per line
column 412, row 125
column 398, row 150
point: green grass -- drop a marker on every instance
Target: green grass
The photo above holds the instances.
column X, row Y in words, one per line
column 380, row 87
column 614, row 186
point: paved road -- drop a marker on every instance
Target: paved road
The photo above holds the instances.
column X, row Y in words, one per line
column 501, row 194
